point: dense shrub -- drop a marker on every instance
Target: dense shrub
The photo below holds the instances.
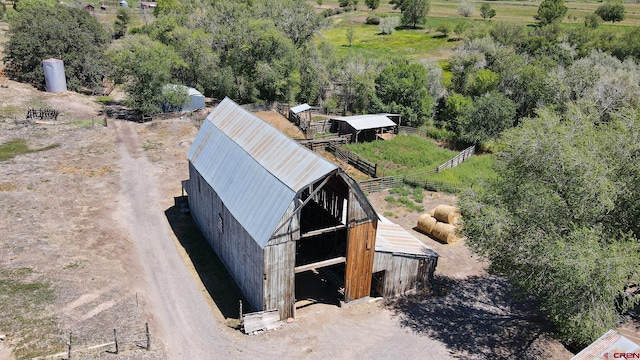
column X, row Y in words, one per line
column 373, row 20
column 388, row 25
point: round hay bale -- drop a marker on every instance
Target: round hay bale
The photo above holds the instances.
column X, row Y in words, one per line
column 445, row 232
column 426, row 223
column 447, row 214
column 432, row 212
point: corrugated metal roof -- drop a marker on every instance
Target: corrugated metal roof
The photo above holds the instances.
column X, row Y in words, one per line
column 392, row 238
column 300, row 108
column 255, row 169
column 364, row 122
column 607, row 346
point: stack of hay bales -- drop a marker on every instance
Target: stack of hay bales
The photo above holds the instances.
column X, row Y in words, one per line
column 441, row 223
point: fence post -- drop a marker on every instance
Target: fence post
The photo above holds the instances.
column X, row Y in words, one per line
column 115, row 337
column 148, row 336
column 241, row 312
column 70, row 339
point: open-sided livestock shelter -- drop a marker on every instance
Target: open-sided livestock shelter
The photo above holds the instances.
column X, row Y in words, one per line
column 366, row 127
column 271, row 209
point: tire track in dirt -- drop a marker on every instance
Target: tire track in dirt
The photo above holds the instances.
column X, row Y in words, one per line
column 185, row 322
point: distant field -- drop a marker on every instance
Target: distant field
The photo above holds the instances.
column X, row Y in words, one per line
column 427, row 42
column 414, row 44
column 507, row 10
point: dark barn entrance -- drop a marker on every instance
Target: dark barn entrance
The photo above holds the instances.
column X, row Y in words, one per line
column 322, row 248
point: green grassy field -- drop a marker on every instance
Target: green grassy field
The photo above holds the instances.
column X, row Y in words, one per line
column 417, row 157
column 412, row 43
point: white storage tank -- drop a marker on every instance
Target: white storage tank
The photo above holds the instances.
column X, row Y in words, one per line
column 54, row 78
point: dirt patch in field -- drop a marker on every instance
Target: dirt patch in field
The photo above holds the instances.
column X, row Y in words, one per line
column 281, row 123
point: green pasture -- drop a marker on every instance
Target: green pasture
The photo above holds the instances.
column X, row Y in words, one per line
column 415, row 44
column 416, row 158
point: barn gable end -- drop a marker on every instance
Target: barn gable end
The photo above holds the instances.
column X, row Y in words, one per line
column 272, row 209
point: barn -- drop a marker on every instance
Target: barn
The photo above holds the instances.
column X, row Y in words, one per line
column 273, row 210
column 366, row 127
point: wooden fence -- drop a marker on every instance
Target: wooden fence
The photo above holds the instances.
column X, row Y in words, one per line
column 354, row 159
column 388, row 182
column 118, row 343
column 322, row 143
column 458, row 159
column 407, row 130
column 379, row 184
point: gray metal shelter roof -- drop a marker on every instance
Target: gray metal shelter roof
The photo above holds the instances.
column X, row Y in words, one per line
column 364, row 122
column 254, row 168
column 392, row 238
column 300, row 108
column 612, row 342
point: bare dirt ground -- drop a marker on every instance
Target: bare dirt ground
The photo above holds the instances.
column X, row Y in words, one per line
column 90, row 218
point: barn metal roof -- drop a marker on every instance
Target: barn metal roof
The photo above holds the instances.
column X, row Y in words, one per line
column 254, row 168
column 607, row 346
column 300, row 108
column 392, row 238
column 364, row 122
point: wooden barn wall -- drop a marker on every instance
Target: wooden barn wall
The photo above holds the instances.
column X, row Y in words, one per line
column 404, row 273
column 240, row 254
column 360, row 254
column 279, row 264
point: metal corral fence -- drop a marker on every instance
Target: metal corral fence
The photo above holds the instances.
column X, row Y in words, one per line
column 388, row 182
column 354, row 159
column 458, row 159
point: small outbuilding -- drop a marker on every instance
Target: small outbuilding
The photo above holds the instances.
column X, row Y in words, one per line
column 402, row 262
column 196, row 99
column 273, row 210
column 124, row 3
column 366, row 127
column 148, row 5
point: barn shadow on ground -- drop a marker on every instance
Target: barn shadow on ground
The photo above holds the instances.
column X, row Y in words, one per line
column 479, row 317
column 215, row 277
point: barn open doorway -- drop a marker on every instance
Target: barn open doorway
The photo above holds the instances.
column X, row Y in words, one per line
column 322, row 248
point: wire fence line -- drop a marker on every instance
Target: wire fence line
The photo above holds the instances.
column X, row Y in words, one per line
column 119, row 343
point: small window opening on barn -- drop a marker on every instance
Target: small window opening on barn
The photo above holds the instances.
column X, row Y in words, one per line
column 377, row 283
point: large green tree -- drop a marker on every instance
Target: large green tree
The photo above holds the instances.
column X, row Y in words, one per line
column 611, row 12
column 550, row 11
column 414, row 12
column 560, row 218
column 72, row 35
column 145, row 67
column 403, row 88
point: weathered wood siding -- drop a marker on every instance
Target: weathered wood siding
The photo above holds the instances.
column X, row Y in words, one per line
column 279, row 264
column 360, row 254
column 404, row 273
column 240, row 254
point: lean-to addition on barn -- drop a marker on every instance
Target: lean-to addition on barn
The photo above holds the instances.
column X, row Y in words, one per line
column 272, row 209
